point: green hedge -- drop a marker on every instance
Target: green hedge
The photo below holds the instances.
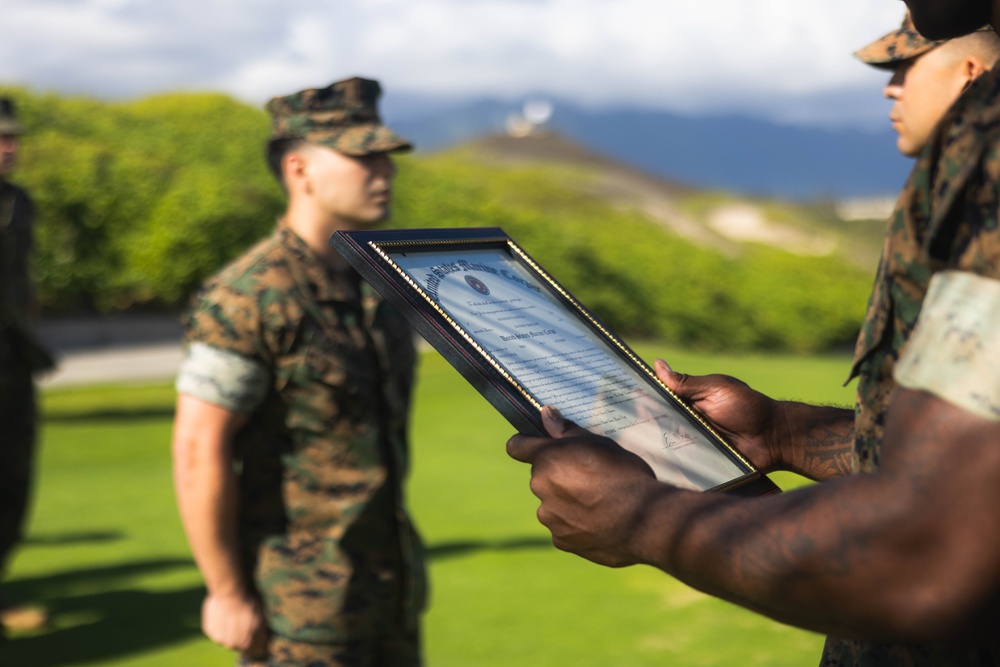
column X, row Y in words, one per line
column 139, row 202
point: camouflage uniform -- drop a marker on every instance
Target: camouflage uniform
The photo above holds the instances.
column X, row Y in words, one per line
column 325, row 537
column 17, row 389
column 946, row 218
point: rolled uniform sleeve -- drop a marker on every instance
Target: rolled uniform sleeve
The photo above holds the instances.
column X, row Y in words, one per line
column 223, row 378
column 226, row 361
column 954, row 352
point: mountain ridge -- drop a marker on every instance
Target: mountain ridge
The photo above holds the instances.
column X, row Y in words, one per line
column 741, row 154
column 721, row 220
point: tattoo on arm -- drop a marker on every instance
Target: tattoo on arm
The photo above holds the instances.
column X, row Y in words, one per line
column 827, row 441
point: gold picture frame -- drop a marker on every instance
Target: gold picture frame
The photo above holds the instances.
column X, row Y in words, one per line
column 524, row 341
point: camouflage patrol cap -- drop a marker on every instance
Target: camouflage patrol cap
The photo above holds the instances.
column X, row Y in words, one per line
column 890, row 49
column 8, row 119
column 899, row 45
column 343, row 116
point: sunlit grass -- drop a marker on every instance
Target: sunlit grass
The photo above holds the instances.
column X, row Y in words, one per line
column 106, row 552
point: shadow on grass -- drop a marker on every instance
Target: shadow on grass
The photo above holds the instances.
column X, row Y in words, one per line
column 95, row 627
column 462, row 547
column 65, row 539
column 97, row 618
column 113, row 414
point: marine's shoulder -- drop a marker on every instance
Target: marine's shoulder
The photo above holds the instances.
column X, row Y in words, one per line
column 13, row 188
column 253, row 296
column 16, row 192
column 264, row 267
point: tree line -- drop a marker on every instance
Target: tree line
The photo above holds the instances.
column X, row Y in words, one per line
column 138, row 202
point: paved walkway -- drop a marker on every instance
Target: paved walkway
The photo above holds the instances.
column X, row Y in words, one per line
column 115, row 349
column 122, row 348
column 135, row 363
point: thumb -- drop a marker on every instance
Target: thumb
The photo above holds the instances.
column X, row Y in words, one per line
column 667, row 375
column 684, row 386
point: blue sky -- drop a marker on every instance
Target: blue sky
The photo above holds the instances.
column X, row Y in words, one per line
column 781, row 59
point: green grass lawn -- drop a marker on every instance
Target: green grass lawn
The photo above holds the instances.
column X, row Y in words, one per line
column 107, row 556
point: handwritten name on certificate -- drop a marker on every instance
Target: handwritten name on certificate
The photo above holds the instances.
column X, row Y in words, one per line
column 556, row 358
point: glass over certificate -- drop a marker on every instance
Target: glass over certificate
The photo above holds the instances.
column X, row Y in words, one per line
column 525, row 342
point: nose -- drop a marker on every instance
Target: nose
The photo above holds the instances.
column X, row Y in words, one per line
column 894, row 88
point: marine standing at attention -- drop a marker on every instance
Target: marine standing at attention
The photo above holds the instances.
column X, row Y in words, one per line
column 21, row 358
column 290, row 439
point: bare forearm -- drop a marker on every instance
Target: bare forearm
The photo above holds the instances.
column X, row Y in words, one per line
column 207, row 498
column 813, row 558
column 818, row 440
column 907, row 553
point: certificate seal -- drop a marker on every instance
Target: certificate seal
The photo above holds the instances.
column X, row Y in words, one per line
column 477, row 284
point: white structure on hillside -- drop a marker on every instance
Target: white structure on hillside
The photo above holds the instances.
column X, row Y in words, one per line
column 866, row 208
column 533, row 117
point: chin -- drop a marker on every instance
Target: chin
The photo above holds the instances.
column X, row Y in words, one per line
column 907, row 149
column 371, row 222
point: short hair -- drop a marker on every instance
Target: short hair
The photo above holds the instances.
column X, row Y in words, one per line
column 982, row 43
column 275, row 153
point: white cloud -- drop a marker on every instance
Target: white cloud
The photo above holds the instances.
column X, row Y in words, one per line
column 662, row 53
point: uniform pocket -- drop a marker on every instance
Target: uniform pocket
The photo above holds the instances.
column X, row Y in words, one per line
column 332, row 379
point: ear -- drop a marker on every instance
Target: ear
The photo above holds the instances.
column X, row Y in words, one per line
column 972, row 68
column 294, row 170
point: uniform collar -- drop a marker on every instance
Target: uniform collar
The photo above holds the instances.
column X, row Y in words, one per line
column 325, row 282
column 955, row 154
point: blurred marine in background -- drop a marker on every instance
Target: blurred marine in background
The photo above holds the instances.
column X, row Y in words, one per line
column 290, row 438
column 21, row 357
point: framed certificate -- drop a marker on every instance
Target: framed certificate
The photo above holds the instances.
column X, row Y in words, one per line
column 524, row 341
